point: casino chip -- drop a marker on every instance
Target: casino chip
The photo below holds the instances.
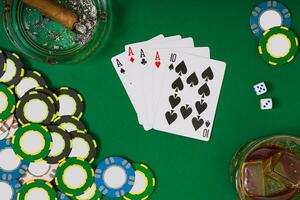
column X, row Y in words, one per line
column 83, row 146
column 39, row 170
column 2, row 63
column 144, row 184
column 35, row 107
column 49, row 93
column 114, row 177
column 278, row 46
column 70, row 123
column 74, row 176
column 267, row 15
column 32, row 142
column 70, row 102
column 11, row 166
column 30, row 80
column 14, row 70
column 61, row 145
column 9, row 188
column 13, row 128
column 5, row 127
column 91, row 194
column 62, row 196
column 37, row 189
column 7, row 102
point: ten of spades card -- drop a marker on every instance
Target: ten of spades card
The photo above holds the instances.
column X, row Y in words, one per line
column 189, row 96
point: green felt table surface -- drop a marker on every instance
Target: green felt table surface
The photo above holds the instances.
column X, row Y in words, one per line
column 184, row 168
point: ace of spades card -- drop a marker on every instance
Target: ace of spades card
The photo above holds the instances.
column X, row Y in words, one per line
column 189, row 96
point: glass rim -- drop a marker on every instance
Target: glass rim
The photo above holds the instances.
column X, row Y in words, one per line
column 12, row 29
column 244, row 151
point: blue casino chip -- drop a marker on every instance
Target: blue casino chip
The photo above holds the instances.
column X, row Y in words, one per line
column 61, row 196
column 267, row 15
column 114, row 177
column 11, row 166
column 9, row 188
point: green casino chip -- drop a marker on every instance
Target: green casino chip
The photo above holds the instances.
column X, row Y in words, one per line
column 144, row 184
column 278, row 45
column 37, row 189
column 32, row 142
column 74, row 176
column 7, row 102
column 35, row 107
column 92, row 194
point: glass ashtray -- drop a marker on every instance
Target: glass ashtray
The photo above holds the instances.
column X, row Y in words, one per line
column 48, row 41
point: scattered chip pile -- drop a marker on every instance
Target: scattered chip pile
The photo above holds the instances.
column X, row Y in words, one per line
column 46, row 152
column 270, row 21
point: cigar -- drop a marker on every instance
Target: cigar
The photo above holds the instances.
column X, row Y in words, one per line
column 54, row 11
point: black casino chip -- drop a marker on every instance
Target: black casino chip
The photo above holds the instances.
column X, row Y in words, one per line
column 49, row 93
column 14, row 70
column 70, row 123
column 2, row 63
column 83, row 146
column 35, row 107
column 70, row 101
column 61, row 145
column 31, row 79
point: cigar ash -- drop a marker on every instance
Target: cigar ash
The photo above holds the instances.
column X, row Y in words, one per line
column 87, row 19
column 55, row 37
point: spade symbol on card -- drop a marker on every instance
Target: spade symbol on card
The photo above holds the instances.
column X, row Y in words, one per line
column 204, row 90
column 177, row 84
column 174, row 100
column 122, row 71
column 207, row 124
column 200, row 106
column 197, row 122
column 171, row 117
column 171, row 67
column 192, row 80
column 181, row 68
column 207, row 74
column 186, row 111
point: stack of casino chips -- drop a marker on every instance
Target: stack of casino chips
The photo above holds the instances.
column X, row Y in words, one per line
column 270, row 21
column 46, row 151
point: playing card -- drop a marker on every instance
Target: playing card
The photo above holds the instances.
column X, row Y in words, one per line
column 120, row 64
column 158, row 77
column 133, row 52
column 140, row 76
column 189, row 96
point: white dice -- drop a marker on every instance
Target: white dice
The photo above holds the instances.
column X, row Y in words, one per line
column 260, row 88
column 266, row 104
